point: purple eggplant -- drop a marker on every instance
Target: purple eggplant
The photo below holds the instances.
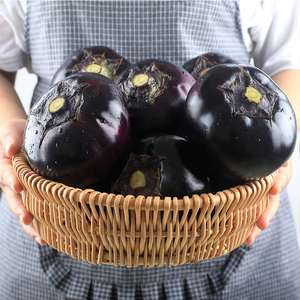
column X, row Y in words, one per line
column 155, row 93
column 219, row 182
column 97, row 59
column 77, row 130
column 197, row 66
column 162, row 165
column 242, row 119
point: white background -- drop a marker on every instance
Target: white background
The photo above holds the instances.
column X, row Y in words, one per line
column 25, row 83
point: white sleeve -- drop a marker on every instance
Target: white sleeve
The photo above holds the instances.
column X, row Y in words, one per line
column 272, row 34
column 12, row 45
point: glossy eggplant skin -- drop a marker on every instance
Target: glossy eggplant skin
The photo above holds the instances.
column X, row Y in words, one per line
column 181, row 172
column 243, row 140
column 200, row 64
column 77, row 143
column 105, row 60
column 156, row 106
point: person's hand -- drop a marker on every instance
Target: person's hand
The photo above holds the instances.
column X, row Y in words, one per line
column 284, row 177
column 11, row 137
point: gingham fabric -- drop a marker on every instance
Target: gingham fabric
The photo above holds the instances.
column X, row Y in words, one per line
column 174, row 31
column 170, row 30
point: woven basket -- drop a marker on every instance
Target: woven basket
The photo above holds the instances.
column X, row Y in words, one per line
column 103, row 228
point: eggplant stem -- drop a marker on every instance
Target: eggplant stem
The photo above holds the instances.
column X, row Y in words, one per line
column 137, row 180
column 140, row 79
column 93, row 68
column 56, row 104
column 253, row 95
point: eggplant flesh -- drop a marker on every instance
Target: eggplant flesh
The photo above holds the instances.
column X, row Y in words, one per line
column 77, row 130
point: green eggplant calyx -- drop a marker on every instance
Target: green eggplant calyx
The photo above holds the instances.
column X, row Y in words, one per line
column 141, row 176
column 96, row 63
column 248, row 97
column 61, row 105
column 144, row 85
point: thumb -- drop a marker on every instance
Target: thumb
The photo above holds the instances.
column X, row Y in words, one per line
column 12, row 145
column 11, row 135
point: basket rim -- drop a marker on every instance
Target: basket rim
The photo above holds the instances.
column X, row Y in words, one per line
column 23, row 170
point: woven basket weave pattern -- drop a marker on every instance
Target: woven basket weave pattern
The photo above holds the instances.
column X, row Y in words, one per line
column 111, row 229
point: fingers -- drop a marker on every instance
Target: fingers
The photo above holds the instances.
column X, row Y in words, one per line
column 269, row 213
column 263, row 221
column 254, row 234
column 7, row 175
column 284, row 177
column 11, row 136
column 15, row 203
column 30, row 230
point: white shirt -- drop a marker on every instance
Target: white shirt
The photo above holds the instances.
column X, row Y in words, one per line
column 271, row 31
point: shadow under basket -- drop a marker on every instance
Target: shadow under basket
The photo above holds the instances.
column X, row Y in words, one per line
column 103, row 228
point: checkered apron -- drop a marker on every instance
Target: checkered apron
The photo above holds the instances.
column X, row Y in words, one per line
column 169, row 30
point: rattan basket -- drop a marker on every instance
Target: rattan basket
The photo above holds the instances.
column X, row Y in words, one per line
column 103, row 228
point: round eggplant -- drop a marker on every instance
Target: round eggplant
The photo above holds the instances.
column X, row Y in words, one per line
column 97, row 59
column 77, row 130
column 197, row 66
column 162, row 165
column 242, row 119
column 155, row 93
column 219, row 182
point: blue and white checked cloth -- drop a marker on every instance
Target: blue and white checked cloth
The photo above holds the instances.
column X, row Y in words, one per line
column 169, row 30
